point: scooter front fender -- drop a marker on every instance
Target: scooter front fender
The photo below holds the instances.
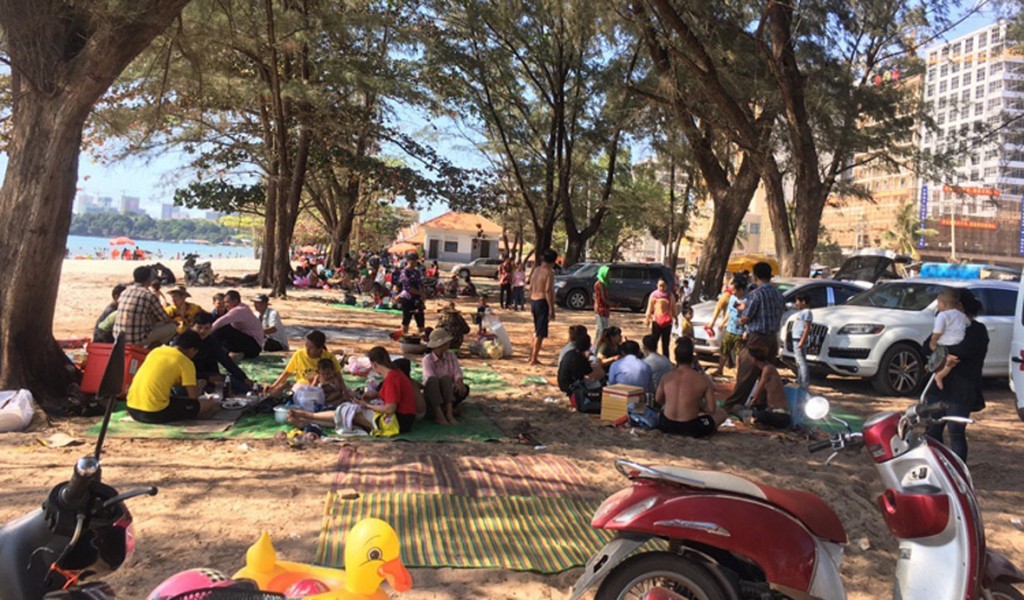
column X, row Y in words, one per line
column 999, row 568
column 605, row 560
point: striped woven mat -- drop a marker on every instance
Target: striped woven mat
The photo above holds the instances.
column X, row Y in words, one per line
column 545, row 535
column 466, row 476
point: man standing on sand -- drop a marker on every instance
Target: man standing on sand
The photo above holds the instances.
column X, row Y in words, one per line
column 687, row 398
column 762, row 318
column 542, row 301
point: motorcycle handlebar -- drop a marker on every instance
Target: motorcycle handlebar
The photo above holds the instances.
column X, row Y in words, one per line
column 75, row 492
column 819, row 446
column 929, row 410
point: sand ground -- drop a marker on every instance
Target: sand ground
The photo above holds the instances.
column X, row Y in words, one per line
column 215, row 496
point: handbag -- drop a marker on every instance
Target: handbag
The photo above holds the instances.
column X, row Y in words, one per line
column 585, row 399
column 385, row 425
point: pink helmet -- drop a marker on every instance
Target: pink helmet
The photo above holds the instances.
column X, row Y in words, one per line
column 188, row 581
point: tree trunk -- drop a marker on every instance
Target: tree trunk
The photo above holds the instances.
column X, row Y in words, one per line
column 778, row 214
column 266, row 278
column 574, row 248
column 36, row 203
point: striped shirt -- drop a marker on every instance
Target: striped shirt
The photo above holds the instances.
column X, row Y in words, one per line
column 764, row 308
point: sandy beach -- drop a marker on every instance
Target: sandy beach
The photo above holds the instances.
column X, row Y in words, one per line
column 216, row 496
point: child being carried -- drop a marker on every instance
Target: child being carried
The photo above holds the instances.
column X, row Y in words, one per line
column 950, row 327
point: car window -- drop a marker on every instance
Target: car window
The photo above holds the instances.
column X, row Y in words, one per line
column 636, row 273
column 899, row 296
column 494, row 261
column 996, row 302
column 818, row 295
column 843, row 293
column 782, row 287
column 585, row 271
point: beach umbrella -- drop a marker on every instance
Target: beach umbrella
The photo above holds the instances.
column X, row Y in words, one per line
column 746, row 262
column 309, row 250
column 402, row 247
column 122, row 241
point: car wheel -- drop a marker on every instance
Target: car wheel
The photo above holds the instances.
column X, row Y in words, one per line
column 577, row 300
column 901, row 372
column 463, row 273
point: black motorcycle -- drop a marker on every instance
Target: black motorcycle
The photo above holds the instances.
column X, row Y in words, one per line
column 198, row 274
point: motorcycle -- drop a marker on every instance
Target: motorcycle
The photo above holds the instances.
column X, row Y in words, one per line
column 731, row 538
column 83, row 530
column 198, row 274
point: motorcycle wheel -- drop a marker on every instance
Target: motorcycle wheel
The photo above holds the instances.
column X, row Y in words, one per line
column 204, row 280
column 1002, row 590
column 638, row 575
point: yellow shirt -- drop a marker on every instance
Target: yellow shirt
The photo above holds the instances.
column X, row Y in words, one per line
column 164, row 368
column 305, row 367
column 183, row 317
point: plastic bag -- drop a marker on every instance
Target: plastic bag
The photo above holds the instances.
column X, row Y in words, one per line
column 493, row 350
column 358, row 366
column 16, row 410
column 307, row 397
column 642, row 416
column 385, row 425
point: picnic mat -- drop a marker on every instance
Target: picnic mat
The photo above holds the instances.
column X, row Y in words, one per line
column 540, row 534
column 266, row 368
column 389, row 311
column 466, row 476
column 346, row 333
column 250, row 426
column 482, row 379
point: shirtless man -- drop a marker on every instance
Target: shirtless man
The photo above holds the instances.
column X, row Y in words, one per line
column 542, row 301
column 687, row 397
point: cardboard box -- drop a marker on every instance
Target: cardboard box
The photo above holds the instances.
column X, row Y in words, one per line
column 615, row 398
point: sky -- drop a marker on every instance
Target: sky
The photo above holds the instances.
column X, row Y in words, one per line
column 153, row 179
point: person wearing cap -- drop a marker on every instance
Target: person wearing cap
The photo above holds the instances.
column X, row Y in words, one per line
column 273, row 327
column 443, row 385
column 239, row 329
column 181, row 310
column 410, row 300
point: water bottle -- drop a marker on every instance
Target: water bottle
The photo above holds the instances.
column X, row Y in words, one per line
column 227, row 387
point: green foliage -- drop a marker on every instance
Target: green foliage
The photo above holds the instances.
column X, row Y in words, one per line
column 906, row 231
column 144, row 227
column 221, row 196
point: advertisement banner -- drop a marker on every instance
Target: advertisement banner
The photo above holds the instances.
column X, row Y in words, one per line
column 923, row 217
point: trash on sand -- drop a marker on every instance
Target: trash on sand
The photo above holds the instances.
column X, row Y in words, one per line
column 59, row 440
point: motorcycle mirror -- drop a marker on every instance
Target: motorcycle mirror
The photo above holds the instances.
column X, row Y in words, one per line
column 816, row 408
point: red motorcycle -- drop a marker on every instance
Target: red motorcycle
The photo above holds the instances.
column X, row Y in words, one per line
column 730, row 538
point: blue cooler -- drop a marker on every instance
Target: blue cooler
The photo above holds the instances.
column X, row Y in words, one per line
column 796, row 406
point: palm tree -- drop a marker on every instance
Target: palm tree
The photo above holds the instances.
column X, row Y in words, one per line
column 906, row 231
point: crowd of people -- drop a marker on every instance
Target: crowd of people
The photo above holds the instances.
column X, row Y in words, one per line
column 750, row 310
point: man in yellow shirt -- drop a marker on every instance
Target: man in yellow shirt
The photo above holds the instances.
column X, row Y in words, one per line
column 181, row 310
column 165, row 387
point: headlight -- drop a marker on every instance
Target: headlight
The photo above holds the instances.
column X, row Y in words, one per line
column 861, row 329
column 559, row 284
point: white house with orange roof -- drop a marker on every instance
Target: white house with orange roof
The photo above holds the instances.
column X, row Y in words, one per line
column 456, row 237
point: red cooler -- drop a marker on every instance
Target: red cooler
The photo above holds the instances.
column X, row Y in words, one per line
column 96, row 364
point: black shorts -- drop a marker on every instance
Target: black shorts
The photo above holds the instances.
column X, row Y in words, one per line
column 702, row 426
column 405, row 422
column 177, row 410
column 541, row 317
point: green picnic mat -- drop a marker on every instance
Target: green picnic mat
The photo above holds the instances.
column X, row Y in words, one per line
column 251, row 426
column 473, row 425
column 481, row 379
column 389, row 311
column 544, row 535
column 266, row 368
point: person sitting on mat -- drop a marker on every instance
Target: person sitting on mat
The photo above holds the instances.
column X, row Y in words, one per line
column 165, row 388
column 305, row 363
column 443, row 384
column 687, row 398
column 332, row 383
column 212, row 355
column 239, row 329
column 396, row 397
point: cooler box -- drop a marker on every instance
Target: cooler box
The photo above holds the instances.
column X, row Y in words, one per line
column 96, row 364
column 615, row 398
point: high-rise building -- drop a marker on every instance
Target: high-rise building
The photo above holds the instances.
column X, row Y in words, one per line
column 974, row 87
column 171, row 211
column 129, row 205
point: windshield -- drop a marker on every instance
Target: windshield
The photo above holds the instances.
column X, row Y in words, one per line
column 783, row 287
column 899, row 296
column 870, row 268
column 582, row 270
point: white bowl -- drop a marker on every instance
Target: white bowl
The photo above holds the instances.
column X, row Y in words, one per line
column 281, row 413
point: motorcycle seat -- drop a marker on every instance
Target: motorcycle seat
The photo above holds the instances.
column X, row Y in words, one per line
column 810, row 509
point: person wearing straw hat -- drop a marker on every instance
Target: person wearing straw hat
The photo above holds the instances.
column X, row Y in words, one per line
column 443, row 386
column 180, row 309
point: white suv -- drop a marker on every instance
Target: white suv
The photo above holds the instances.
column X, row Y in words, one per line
column 882, row 333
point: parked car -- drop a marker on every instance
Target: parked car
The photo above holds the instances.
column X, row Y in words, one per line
column 871, row 265
column 882, row 334
column 629, row 285
column 481, row 267
column 1016, row 362
column 822, row 292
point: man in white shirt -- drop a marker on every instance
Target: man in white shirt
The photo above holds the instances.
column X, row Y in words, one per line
column 273, row 327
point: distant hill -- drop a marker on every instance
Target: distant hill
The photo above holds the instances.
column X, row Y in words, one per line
column 145, row 227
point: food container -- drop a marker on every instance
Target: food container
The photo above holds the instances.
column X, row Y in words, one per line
column 281, row 413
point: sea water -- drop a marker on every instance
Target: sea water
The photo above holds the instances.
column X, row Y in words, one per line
column 80, row 245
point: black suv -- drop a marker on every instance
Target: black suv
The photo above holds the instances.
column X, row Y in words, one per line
column 629, row 285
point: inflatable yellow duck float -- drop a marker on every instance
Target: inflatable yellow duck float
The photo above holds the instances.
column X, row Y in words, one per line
column 371, row 557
